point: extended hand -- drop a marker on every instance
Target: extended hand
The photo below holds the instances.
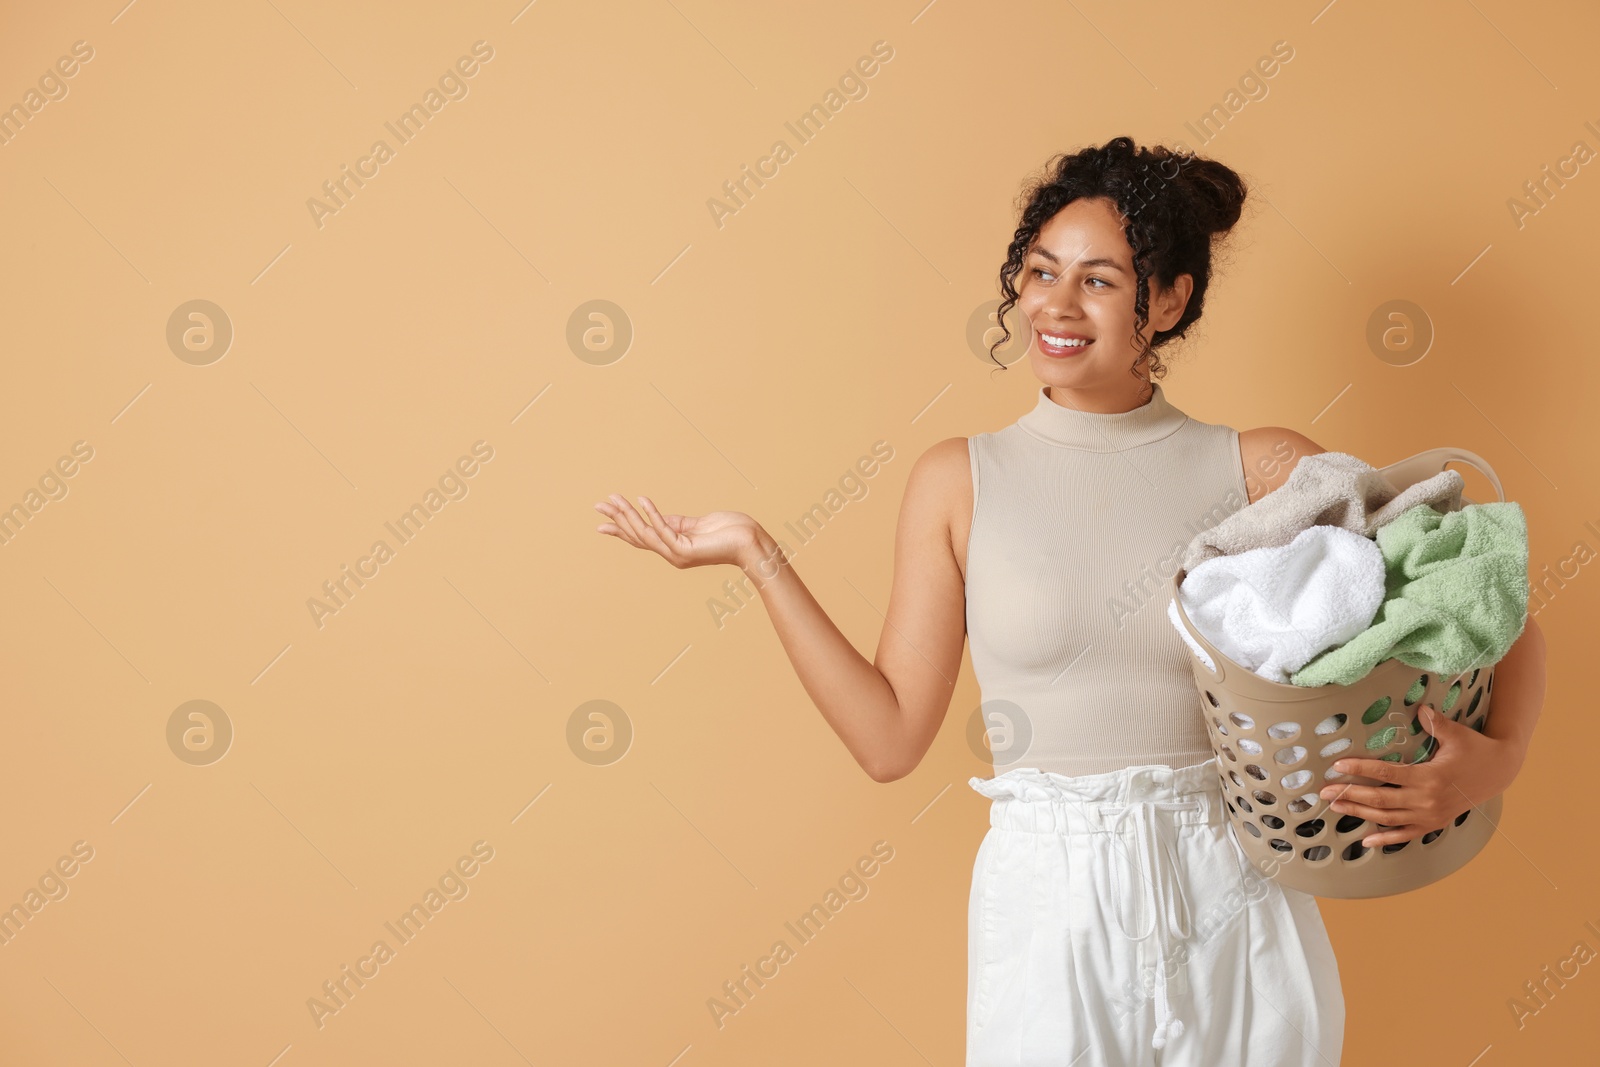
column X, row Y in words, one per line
column 1465, row 769
column 682, row 540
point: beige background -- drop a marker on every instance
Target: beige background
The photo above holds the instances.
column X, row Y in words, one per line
column 767, row 356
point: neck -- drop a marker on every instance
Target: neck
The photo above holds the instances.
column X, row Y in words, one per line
column 1107, row 427
column 1100, row 401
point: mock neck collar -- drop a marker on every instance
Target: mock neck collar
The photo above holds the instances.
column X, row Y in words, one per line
column 1091, row 431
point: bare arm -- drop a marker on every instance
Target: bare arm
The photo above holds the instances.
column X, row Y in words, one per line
column 887, row 711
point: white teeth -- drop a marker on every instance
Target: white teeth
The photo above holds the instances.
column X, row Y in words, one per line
column 1062, row 342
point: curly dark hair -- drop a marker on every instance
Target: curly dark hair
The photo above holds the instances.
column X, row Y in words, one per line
column 1173, row 203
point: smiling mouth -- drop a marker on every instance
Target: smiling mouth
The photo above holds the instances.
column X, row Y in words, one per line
column 1058, row 345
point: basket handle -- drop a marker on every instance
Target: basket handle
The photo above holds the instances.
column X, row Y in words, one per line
column 1413, row 469
column 1218, row 670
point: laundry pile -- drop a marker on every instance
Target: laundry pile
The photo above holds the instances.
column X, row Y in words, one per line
column 1336, row 571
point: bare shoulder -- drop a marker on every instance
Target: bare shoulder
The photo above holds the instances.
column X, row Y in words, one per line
column 939, row 492
column 1269, row 454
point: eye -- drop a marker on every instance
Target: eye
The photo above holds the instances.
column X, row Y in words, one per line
column 1038, row 272
column 1102, row 281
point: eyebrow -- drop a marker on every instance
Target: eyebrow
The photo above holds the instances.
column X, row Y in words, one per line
column 1086, row 263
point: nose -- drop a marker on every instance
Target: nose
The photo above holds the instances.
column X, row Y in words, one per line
column 1062, row 305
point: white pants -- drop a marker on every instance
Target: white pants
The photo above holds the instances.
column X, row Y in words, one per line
column 1115, row 922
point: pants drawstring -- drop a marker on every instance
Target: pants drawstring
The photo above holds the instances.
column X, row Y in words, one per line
column 1163, row 897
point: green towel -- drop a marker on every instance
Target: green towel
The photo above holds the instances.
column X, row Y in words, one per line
column 1456, row 595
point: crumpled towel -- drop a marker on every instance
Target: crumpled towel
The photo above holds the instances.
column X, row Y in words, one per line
column 1457, row 595
column 1271, row 610
column 1325, row 489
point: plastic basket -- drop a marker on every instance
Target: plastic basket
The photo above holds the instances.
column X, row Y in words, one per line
column 1276, row 744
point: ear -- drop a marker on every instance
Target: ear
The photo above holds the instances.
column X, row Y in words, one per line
column 1170, row 302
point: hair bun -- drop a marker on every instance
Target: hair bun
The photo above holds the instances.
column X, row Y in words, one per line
column 1218, row 192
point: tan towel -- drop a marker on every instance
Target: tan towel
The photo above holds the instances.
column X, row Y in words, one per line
column 1325, row 489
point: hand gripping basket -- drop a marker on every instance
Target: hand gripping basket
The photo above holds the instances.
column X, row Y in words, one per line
column 1276, row 744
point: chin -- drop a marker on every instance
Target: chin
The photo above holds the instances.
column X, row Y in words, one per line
column 1056, row 372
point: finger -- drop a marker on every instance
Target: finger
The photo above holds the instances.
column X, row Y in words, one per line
column 1382, row 770
column 631, row 525
column 655, row 540
column 606, row 527
column 665, row 531
column 1386, row 816
column 1394, row 836
column 629, row 519
column 1374, row 796
column 617, row 527
column 1437, row 723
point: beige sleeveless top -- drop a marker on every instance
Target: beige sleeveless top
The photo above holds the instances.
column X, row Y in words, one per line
column 1079, row 523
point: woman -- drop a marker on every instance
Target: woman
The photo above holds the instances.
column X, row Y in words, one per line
column 1111, row 913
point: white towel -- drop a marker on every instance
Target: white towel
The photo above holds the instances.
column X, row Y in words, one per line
column 1183, row 632
column 1271, row 610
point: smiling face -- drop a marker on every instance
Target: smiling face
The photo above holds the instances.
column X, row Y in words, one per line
column 1077, row 284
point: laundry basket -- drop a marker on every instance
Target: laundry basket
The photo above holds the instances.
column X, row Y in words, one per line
column 1276, row 744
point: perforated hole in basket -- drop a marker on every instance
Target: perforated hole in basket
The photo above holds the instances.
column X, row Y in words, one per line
column 1382, row 739
column 1249, row 747
column 1241, row 720
column 1298, row 780
column 1418, row 687
column 1300, row 805
column 1288, row 757
column 1284, row 731
column 1332, row 724
column 1378, row 710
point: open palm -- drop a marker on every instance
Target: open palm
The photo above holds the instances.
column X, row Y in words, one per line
column 682, row 540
